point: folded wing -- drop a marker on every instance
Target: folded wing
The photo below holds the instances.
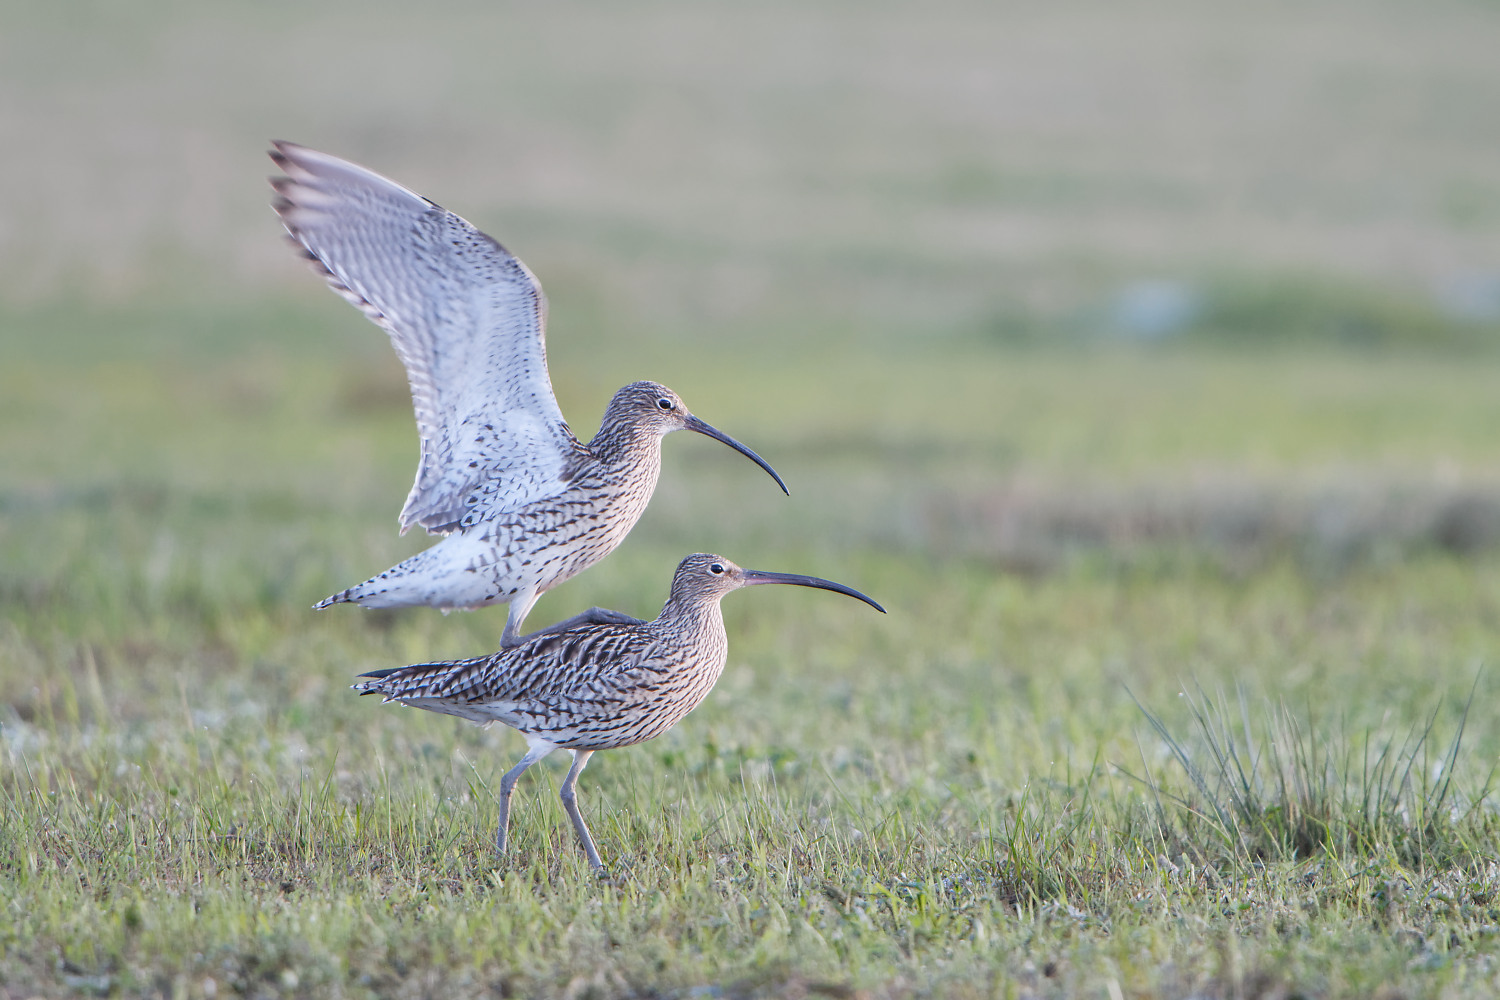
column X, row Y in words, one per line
column 590, row 667
column 467, row 320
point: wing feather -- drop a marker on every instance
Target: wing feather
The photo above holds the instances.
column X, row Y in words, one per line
column 466, row 318
column 548, row 676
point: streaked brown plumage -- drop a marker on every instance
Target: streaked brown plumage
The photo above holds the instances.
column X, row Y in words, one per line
column 524, row 504
column 593, row 687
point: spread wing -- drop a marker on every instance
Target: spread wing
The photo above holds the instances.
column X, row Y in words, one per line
column 467, row 320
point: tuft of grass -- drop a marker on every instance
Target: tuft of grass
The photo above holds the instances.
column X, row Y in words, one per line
column 1286, row 790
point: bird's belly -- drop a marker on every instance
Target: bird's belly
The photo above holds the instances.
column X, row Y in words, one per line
column 505, row 552
column 546, row 543
column 639, row 714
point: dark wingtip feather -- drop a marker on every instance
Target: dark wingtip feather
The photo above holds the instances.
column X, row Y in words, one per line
column 385, row 672
column 300, row 249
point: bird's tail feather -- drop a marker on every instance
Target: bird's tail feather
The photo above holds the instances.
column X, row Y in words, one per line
column 342, row 597
column 405, row 682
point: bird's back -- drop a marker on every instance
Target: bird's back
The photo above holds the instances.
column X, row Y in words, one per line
column 594, row 687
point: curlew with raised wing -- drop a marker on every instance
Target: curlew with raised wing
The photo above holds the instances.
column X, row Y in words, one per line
column 524, row 504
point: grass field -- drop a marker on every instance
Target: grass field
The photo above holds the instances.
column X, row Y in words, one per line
column 1187, row 687
column 964, row 797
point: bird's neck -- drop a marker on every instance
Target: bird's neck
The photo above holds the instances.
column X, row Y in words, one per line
column 700, row 620
column 626, row 444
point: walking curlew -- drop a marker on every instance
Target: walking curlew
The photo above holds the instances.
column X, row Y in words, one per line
column 593, row 687
column 524, row 504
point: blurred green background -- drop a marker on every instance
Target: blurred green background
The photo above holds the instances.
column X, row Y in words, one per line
column 1111, row 345
column 717, row 170
column 982, row 243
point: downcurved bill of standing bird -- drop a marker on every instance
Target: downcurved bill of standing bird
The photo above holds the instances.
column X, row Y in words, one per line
column 597, row 686
column 756, row 576
column 692, row 423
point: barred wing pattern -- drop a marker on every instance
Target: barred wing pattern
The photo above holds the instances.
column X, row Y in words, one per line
column 595, row 687
column 467, row 320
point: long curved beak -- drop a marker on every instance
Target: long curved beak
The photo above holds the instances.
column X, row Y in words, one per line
column 754, row 576
column 694, row 424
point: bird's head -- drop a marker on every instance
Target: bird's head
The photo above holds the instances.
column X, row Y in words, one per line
column 707, row 577
column 655, row 409
column 650, row 406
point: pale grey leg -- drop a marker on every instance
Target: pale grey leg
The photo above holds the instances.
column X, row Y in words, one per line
column 520, row 606
column 569, row 796
column 508, row 784
column 593, row 616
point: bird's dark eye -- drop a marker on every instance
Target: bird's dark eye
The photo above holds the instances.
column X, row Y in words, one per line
column 716, row 568
column 666, row 404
